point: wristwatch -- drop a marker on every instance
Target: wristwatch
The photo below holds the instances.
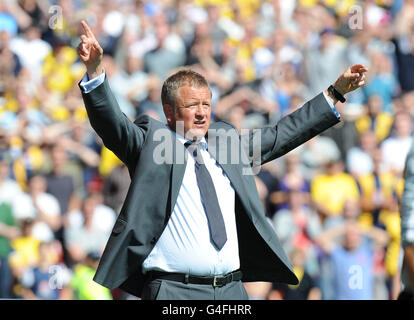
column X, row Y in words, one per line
column 332, row 90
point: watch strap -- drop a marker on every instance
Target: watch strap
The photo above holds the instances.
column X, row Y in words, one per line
column 332, row 90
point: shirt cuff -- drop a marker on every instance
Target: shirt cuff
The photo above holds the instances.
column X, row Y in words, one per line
column 88, row 85
column 332, row 106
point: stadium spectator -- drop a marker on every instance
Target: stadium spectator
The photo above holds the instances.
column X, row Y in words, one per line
column 331, row 190
column 374, row 119
column 380, row 194
column 353, row 260
column 359, row 159
column 47, row 278
column 404, row 45
column 89, row 228
column 82, row 285
column 168, row 52
column 316, row 153
column 297, row 226
column 307, row 289
column 59, row 183
column 398, row 143
column 9, row 188
column 383, row 82
column 9, row 230
column 115, row 187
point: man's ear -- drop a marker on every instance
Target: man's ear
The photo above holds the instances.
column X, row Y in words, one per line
column 168, row 112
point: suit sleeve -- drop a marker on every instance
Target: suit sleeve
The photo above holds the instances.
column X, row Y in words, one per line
column 118, row 132
column 314, row 117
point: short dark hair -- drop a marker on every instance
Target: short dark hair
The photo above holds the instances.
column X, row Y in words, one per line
column 177, row 80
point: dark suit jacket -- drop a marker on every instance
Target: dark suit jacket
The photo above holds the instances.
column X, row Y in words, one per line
column 154, row 188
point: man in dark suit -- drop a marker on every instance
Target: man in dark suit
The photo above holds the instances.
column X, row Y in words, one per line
column 192, row 225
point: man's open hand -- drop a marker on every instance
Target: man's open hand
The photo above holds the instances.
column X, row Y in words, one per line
column 90, row 52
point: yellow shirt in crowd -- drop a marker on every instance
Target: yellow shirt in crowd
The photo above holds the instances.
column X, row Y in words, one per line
column 332, row 191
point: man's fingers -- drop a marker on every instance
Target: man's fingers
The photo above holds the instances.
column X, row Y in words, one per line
column 361, row 82
column 358, row 68
column 98, row 47
column 82, row 54
column 352, row 76
column 87, row 30
column 84, row 42
column 83, row 49
column 360, row 79
column 83, row 38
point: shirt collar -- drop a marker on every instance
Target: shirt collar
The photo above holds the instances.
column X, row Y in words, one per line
column 183, row 140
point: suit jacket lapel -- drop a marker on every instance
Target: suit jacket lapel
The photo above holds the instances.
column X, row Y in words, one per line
column 222, row 154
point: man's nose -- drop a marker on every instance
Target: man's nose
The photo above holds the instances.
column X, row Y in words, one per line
column 201, row 111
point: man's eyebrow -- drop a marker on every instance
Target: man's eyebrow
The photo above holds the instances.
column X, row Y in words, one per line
column 187, row 103
column 195, row 100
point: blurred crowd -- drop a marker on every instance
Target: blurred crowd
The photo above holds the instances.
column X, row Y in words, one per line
column 334, row 201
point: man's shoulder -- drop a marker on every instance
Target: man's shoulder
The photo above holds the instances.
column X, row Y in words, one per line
column 145, row 120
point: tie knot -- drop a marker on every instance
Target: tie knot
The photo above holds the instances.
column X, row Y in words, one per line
column 194, row 148
column 198, row 144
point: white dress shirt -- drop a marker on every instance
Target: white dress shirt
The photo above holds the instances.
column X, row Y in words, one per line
column 185, row 245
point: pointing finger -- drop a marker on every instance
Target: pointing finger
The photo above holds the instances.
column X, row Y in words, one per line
column 87, row 30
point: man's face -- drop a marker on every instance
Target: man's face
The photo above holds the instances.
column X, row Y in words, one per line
column 352, row 237
column 193, row 112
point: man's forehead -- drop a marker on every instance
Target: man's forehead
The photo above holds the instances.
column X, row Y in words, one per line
column 194, row 92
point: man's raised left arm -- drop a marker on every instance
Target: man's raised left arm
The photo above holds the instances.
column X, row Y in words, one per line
column 314, row 117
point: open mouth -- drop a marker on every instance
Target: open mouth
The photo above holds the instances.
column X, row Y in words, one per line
column 199, row 123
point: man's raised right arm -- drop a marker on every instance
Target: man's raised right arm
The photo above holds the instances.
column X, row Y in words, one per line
column 117, row 131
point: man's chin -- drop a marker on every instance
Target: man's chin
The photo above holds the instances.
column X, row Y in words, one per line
column 195, row 134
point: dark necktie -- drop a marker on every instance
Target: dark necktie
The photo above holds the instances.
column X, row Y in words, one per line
column 209, row 197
